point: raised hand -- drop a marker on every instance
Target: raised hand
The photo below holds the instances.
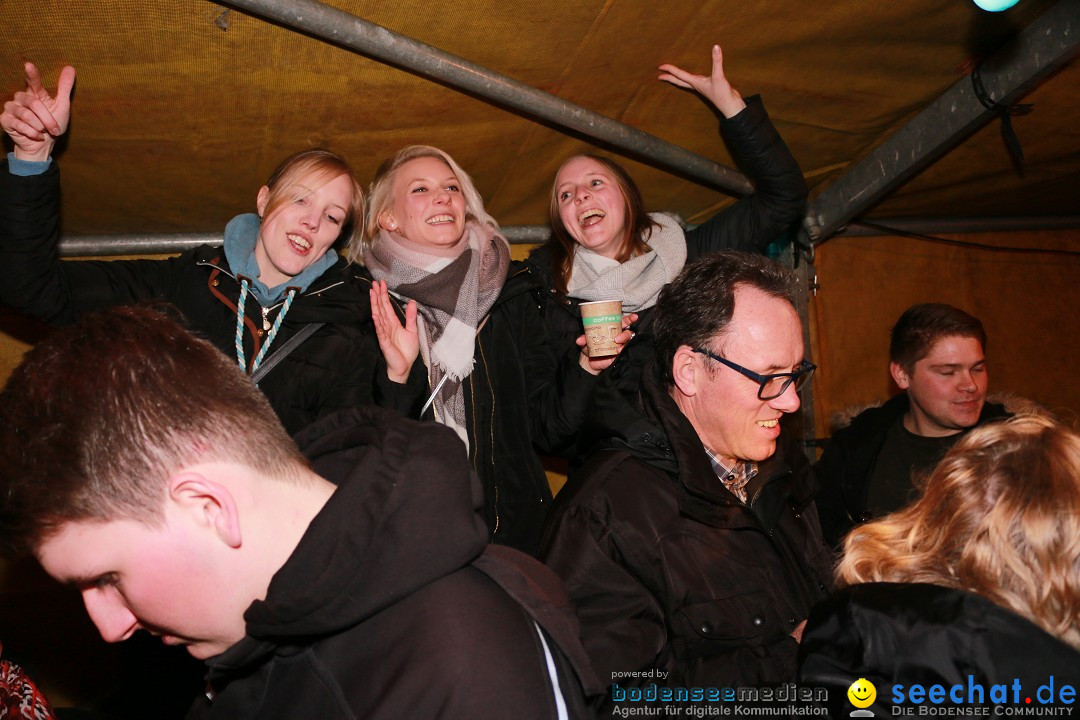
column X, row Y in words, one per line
column 34, row 119
column 400, row 344
column 715, row 88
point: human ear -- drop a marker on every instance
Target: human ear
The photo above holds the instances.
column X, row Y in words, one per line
column 262, row 199
column 210, row 503
column 686, row 370
column 387, row 221
column 899, row 375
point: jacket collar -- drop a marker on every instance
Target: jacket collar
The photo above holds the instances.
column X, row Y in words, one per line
column 703, row 497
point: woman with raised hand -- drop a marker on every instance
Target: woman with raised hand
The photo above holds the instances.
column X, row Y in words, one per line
column 277, row 297
column 975, row 584
column 472, row 317
column 605, row 246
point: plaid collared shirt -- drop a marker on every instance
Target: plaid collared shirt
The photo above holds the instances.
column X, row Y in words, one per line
column 735, row 478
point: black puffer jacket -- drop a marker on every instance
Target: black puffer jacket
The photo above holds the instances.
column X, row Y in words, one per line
column 666, row 567
column 523, row 395
column 900, row 635
column 750, row 224
column 844, row 469
column 340, row 366
column 393, row 606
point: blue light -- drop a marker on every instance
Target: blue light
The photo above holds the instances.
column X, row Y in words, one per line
column 995, row 5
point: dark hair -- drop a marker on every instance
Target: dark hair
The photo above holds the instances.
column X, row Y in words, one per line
column 99, row 415
column 638, row 222
column 698, row 304
column 922, row 325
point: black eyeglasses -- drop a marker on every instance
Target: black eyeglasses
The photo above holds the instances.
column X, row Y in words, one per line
column 769, row 386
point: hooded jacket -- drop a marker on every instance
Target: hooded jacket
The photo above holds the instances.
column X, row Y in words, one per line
column 897, row 635
column 667, row 569
column 340, row 366
column 393, row 605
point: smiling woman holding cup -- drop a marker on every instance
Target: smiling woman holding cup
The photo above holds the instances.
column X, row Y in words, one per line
column 605, row 246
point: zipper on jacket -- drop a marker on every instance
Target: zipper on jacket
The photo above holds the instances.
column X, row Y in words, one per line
column 491, row 430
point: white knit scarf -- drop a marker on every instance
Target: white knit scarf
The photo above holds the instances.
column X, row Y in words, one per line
column 638, row 281
column 454, row 289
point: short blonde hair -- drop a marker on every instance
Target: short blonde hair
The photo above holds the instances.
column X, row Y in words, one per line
column 999, row 516
column 305, row 172
column 381, row 192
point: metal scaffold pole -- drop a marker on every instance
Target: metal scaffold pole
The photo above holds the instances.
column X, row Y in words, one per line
column 348, row 31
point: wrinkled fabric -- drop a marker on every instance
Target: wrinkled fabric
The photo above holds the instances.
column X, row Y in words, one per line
column 667, row 569
column 903, row 634
column 339, row 366
column 454, row 289
column 20, row 698
column 843, row 471
column 523, row 395
column 638, row 281
column 393, row 605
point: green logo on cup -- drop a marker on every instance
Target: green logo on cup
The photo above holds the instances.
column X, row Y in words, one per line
column 600, row 319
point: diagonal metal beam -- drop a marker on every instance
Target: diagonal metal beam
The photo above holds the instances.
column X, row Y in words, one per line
column 1048, row 43
column 345, row 30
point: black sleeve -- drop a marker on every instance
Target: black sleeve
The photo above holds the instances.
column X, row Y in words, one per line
column 832, row 510
column 557, row 387
column 833, row 655
column 405, row 398
column 780, row 189
column 622, row 621
column 32, row 278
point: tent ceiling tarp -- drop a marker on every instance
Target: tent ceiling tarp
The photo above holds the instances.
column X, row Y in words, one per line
column 183, row 107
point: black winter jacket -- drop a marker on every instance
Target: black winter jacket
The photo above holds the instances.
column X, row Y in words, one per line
column 523, row 395
column 844, row 469
column 668, row 569
column 901, row 635
column 750, row 224
column 340, row 366
column 393, row 605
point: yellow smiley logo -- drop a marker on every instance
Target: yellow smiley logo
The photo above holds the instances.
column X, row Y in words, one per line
column 862, row 693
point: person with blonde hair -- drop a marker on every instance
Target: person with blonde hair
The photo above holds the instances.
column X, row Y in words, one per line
column 471, row 315
column 276, row 298
column 975, row 584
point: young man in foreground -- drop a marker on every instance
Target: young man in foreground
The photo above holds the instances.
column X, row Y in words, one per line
column 141, row 467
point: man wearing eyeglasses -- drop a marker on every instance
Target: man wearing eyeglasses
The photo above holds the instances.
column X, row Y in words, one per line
column 689, row 540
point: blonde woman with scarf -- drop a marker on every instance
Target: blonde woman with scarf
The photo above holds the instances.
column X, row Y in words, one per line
column 471, row 315
column 605, row 246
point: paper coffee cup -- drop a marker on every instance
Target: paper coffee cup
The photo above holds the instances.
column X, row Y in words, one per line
column 602, row 321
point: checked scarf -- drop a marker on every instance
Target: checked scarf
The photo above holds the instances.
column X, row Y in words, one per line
column 454, row 289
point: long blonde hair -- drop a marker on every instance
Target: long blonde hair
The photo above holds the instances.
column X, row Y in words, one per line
column 999, row 516
column 381, row 193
